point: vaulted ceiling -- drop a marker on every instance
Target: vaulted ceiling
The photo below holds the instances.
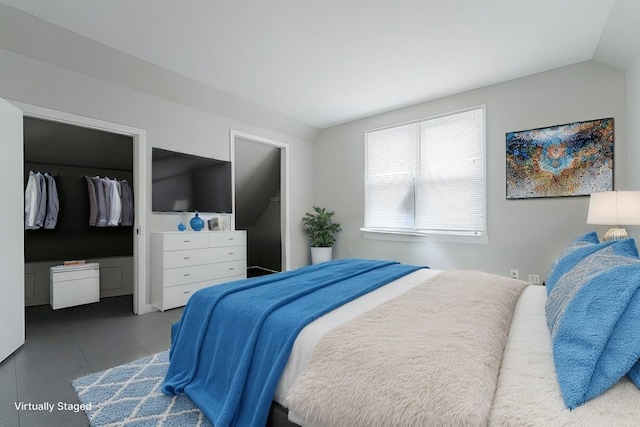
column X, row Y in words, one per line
column 330, row 62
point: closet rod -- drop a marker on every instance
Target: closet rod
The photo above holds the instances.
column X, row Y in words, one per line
column 78, row 166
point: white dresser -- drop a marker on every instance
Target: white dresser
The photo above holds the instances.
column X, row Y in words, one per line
column 74, row 285
column 183, row 262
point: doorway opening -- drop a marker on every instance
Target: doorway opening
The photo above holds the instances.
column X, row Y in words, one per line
column 260, row 174
column 136, row 236
column 74, row 160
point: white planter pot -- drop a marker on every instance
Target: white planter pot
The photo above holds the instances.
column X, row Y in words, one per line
column 319, row 255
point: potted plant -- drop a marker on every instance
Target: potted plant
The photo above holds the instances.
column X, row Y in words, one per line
column 321, row 230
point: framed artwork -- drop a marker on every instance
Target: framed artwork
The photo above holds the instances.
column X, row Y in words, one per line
column 574, row 159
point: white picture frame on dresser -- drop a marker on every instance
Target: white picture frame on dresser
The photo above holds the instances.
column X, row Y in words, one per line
column 183, row 262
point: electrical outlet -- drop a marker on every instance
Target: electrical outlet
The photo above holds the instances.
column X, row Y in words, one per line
column 515, row 273
column 534, row 279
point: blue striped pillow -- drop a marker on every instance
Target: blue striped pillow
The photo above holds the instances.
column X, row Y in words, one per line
column 593, row 313
column 586, row 242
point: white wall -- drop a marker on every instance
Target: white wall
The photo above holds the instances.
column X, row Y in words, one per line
column 633, row 128
column 523, row 234
column 168, row 125
column 633, row 113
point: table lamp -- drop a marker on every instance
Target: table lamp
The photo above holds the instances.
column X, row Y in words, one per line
column 614, row 208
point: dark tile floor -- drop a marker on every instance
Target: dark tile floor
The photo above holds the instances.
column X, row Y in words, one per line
column 66, row 344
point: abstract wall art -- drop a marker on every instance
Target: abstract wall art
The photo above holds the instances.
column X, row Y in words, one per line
column 573, row 159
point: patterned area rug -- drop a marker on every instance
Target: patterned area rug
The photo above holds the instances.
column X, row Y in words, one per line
column 130, row 395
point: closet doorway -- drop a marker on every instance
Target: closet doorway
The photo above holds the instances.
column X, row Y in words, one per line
column 125, row 242
column 261, row 178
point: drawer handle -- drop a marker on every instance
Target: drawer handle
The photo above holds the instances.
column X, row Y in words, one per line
column 231, row 253
column 187, row 241
column 187, row 257
column 231, row 238
column 187, row 274
column 231, row 268
column 186, row 292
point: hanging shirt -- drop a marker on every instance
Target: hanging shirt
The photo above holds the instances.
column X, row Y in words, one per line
column 115, row 206
column 53, row 204
column 93, row 202
column 42, row 201
column 106, row 188
column 101, row 198
column 127, row 203
column 31, row 198
column 119, row 184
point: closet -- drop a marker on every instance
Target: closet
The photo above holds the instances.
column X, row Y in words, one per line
column 71, row 154
column 258, row 209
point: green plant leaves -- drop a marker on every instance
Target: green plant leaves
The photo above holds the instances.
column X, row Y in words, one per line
column 320, row 227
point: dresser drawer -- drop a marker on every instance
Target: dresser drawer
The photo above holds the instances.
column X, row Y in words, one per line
column 227, row 238
column 74, row 292
column 202, row 273
column 61, row 275
column 179, row 241
column 74, row 285
column 174, row 259
column 177, row 296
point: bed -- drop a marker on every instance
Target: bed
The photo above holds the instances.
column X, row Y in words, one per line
column 419, row 347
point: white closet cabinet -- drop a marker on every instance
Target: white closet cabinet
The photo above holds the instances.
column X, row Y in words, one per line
column 74, row 285
column 184, row 262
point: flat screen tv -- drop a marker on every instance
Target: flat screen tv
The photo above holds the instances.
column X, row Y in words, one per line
column 187, row 183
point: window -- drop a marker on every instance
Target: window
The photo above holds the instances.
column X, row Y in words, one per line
column 427, row 176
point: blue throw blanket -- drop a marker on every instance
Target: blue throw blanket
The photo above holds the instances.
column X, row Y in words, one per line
column 230, row 347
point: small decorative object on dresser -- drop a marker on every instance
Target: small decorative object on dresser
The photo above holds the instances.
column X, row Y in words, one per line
column 196, row 222
column 181, row 227
column 214, row 224
column 184, row 262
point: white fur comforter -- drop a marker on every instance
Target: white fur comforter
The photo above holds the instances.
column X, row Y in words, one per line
column 430, row 356
column 528, row 393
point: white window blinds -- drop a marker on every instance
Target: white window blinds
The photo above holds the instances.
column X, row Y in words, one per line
column 427, row 176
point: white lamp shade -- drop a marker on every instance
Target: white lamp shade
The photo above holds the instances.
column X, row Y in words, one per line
column 614, row 208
